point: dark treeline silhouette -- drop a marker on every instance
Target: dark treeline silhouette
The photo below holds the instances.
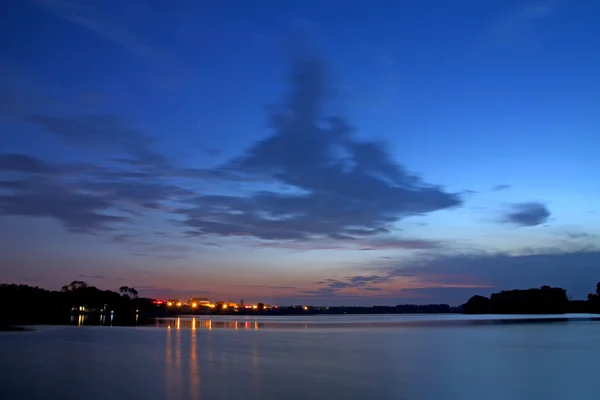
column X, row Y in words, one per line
column 24, row 304
column 545, row 300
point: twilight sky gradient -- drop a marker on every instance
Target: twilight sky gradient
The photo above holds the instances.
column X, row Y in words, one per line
column 338, row 152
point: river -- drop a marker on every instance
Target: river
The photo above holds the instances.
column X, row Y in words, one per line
column 319, row 357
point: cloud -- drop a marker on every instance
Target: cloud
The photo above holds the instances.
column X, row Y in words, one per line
column 361, row 282
column 92, row 276
column 83, row 197
column 527, row 214
column 499, row 188
column 77, row 211
column 579, row 235
column 337, row 241
column 102, row 133
column 337, row 186
column 268, row 286
column 148, row 246
column 126, row 28
column 517, row 24
column 91, row 18
column 481, row 273
column 19, row 162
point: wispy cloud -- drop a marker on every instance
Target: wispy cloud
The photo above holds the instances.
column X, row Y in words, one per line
column 268, row 287
column 92, row 276
column 89, row 16
column 499, row 188
column 518, row 23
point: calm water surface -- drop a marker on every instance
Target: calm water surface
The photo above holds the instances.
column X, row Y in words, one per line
column 354, row 357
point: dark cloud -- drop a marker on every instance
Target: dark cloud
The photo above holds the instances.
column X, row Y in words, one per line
column 103, row 133
column 527, row 214
column 361, row 282
column 77, row 211
column 339, row 187
column 84, row 197
column 499, row 188
column 145, row 194
column 19, row 162
column 482, row 273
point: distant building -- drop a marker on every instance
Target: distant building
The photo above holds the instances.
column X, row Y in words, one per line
column 172, row 302
column 199, row 301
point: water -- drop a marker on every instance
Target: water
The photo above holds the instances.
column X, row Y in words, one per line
column 321, row 357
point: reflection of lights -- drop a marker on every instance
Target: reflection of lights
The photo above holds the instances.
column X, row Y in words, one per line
column 194, row 305
column 178, row 323
column 193, row 323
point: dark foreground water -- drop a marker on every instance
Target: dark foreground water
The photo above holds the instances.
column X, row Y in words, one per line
column 322, row 357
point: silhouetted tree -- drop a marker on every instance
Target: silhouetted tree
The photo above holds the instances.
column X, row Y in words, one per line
column 546, row 300
column 594, row 300
column 73, row 286
column 477, row 305
column 128, row 292
column 260, row 306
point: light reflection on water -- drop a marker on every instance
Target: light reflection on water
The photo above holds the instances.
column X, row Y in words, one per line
column 359, row 321
column 245, row 360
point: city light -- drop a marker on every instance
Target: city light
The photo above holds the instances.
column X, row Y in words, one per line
column 305, row 308
column 194, row 305
column 179, row 304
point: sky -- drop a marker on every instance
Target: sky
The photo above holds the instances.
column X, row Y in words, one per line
column 325, row 153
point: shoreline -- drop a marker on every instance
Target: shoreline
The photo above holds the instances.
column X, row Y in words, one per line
column 10, row 328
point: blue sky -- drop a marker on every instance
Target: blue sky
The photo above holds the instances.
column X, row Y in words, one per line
column 338, row 153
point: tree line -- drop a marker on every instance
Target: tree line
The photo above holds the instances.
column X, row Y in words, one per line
column 24, row 304
column 545, row 300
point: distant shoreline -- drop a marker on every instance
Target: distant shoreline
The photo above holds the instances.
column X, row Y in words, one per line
column 10, row 328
